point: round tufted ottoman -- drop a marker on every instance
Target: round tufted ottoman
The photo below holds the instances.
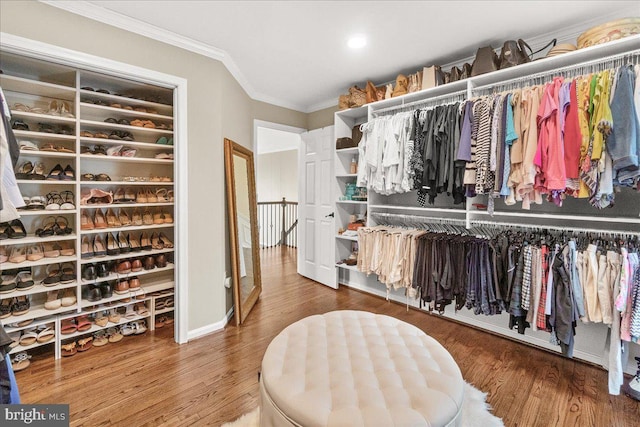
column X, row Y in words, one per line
column 354, row 368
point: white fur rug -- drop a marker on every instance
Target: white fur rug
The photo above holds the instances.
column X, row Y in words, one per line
column 475, row 412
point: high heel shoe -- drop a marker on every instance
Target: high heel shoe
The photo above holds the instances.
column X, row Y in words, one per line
column 136, row 217
column 86, row 249
column 129, row 195
column 99, row 248
column 134, row 243
column 168, row 218
column 18, row 254
column 112, row 219
column 151, row 196
column 56, row 173
column 141, row 197
column 119, row 196
column 123, row 244
column 99, row 220
column 164, row 241
column 86, row 223
column 124, row 218
column 145, row 242
column 112, row 245
column 147, row 218
column 158, row 217
column 69, row 174
column 35, row 252
column 155, row 242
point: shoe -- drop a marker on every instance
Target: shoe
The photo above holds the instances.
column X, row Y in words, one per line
column 114, row 316
column 161, row 261
column 106, row 289
column 168, row 218
column 62, row 226
column 123, row 267
column 69, row 174
column 112, row 245
column 134, row 283
column 45, row 334
column 164, row 241
column 21, row 305
column 119, row 196
column 632, row 387
column 69, row 298
column 122, row 287
column 52, row 249
column 24, row 170
column 56, row 173
column 68, row 273
column 85, row 344
column 129, row 195
column 147, row 218
column 99, row 219
column 67, row 350
column 8, row 283
column 28, row 337
column 134, row 243
column 100, row 339
column 49, row 227
column 83, row 323
column 99, row 249
column 89, row 272
column 123, row 244
column 68, row 200
column 145, row 242
column 86, row 223
column 124, row 218
column 53, row 301
column 86, row 248
column 20, row 361
column 112, row 220
column 5, row 307
column 140, row 327
column 67, row 248
column 141, row 196
column 35, row 252
column 54, row 201
column 136, row 265
column 151, row 196
column 114, row 335
column 158, row 217
column 149, row 263
column 92, row 293
column 18, row 254
column 102, row 269
column 17, row 229
column 24, row 281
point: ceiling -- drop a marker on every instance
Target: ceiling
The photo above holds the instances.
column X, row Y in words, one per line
column 294, row 53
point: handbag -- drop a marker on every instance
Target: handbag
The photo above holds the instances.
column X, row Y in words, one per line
column 401, row 87
column 432, row 77
column 356, row 135
column 486, row 61
column 454, row 74
column 343, row 102
column 358, row 97
column 374, row 93
column 514, row 53
column 466, row 71
column 415, row 82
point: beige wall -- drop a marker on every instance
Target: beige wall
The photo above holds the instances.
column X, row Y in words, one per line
column 321, row 118
column 217, row 108
column 277, row 176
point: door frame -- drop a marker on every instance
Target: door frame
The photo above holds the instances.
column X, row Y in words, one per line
column 44, row 51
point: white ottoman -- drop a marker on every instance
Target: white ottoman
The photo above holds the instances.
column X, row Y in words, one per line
column 354, row 368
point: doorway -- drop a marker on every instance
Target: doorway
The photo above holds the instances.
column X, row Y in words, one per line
column 276, row 153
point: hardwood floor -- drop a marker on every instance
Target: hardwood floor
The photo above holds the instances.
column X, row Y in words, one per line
column 149, row 380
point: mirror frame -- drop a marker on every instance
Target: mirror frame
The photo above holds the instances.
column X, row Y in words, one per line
column 242, row 308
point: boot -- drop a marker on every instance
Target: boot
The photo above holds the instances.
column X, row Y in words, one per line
column 632, row 388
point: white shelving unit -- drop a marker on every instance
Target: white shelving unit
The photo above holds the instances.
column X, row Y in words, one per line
column 624, row 217
column 39, row 86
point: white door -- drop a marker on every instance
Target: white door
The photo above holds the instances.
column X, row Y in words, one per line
column 316, row 250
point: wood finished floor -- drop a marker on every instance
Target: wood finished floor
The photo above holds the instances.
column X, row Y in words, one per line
column 149, row 380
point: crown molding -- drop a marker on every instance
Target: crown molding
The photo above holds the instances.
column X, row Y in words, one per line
column 118, row 20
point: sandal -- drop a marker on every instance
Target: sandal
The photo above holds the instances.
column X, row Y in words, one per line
column 114, row 316
column 5, row 307
column 68, row 326
column 51, row 250
column 46, row 335
column 124, row 218
column 28, row 337
column 8, row 283
column 140, row 327
column 68, row 273
column 161, row 194
column 53, row 301
column 83, row 323
column 136, row 217
column 100, row 339
column 62, row 226
column 68, row 200
column 17, row 229
column 68, row 349
column 20, row 361
column 112, row 220
column 36, row 203
column 130, row 313
column 69, row 298
column 85, row 221
column 18, row 254
column 24, row 280
column 85, row 344
column 147, row 218
column 35, row 252
column 99, row 248
column 21, row 305
column 86, row 250
column 160, row 321
column 24, row 170
column 67, row 248
column 99, row 219
column 49, row 227
column 141, row 309
column 127, row 329
column 114, row 335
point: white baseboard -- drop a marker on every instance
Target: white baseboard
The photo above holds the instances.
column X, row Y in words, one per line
column 207, row 329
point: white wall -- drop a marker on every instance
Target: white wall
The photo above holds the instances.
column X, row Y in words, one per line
column 277, row 176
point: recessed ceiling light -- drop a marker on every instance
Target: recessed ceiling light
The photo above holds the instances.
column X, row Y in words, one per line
column 357, row 41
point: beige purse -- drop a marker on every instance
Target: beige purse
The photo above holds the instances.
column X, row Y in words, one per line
column 415, row 82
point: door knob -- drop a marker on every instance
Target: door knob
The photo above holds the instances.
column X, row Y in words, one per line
column 330, row 215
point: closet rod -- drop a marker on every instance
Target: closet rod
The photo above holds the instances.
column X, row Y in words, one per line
column 547, row 227
column 420, row 218
column 449, row 98
column 587, row 67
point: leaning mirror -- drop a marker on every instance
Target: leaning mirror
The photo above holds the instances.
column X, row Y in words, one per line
column 243, row 228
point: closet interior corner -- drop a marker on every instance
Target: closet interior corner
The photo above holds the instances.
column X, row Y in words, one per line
column 88, row 255
column 473, row 213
